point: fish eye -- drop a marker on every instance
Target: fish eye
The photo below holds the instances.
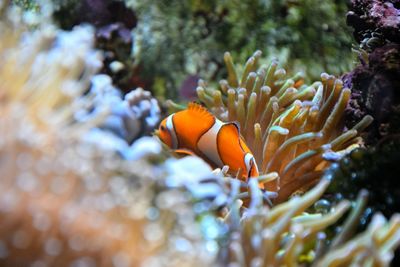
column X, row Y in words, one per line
column 162, row 128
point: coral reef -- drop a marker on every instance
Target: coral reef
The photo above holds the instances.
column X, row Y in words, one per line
column 98, row 13
column 291, row 128
column 375, row 22
column 113, row 23
column 375, row 87
column 310, row 35
column 375, row 81
column 375, row 91
column 81, row 187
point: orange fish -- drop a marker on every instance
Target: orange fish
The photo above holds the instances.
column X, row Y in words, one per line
column 197, row 131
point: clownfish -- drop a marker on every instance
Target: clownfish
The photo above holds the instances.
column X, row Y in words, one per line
column 196, row 131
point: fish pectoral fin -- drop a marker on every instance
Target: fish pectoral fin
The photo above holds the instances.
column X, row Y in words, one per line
column 184, row 151
column 234, row 123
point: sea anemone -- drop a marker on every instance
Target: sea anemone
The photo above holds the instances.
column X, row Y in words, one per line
column 287, row 236
column 292, row 128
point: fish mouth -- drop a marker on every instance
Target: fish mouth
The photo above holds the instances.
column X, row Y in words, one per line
column 156, row 133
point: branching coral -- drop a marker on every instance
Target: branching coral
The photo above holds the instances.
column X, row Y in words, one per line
column 290, row 127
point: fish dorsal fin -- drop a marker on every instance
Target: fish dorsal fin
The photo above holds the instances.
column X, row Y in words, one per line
column 199, row 110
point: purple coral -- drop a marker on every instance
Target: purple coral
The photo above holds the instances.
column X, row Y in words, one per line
column 113, row 22
column 375, row 82
column 375, row 22
column 375, row 91
column 386, row 14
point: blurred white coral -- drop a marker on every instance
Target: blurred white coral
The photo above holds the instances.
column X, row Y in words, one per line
column 136, row 114
column 66, row 198
column 36, row 61
column 187, row 170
